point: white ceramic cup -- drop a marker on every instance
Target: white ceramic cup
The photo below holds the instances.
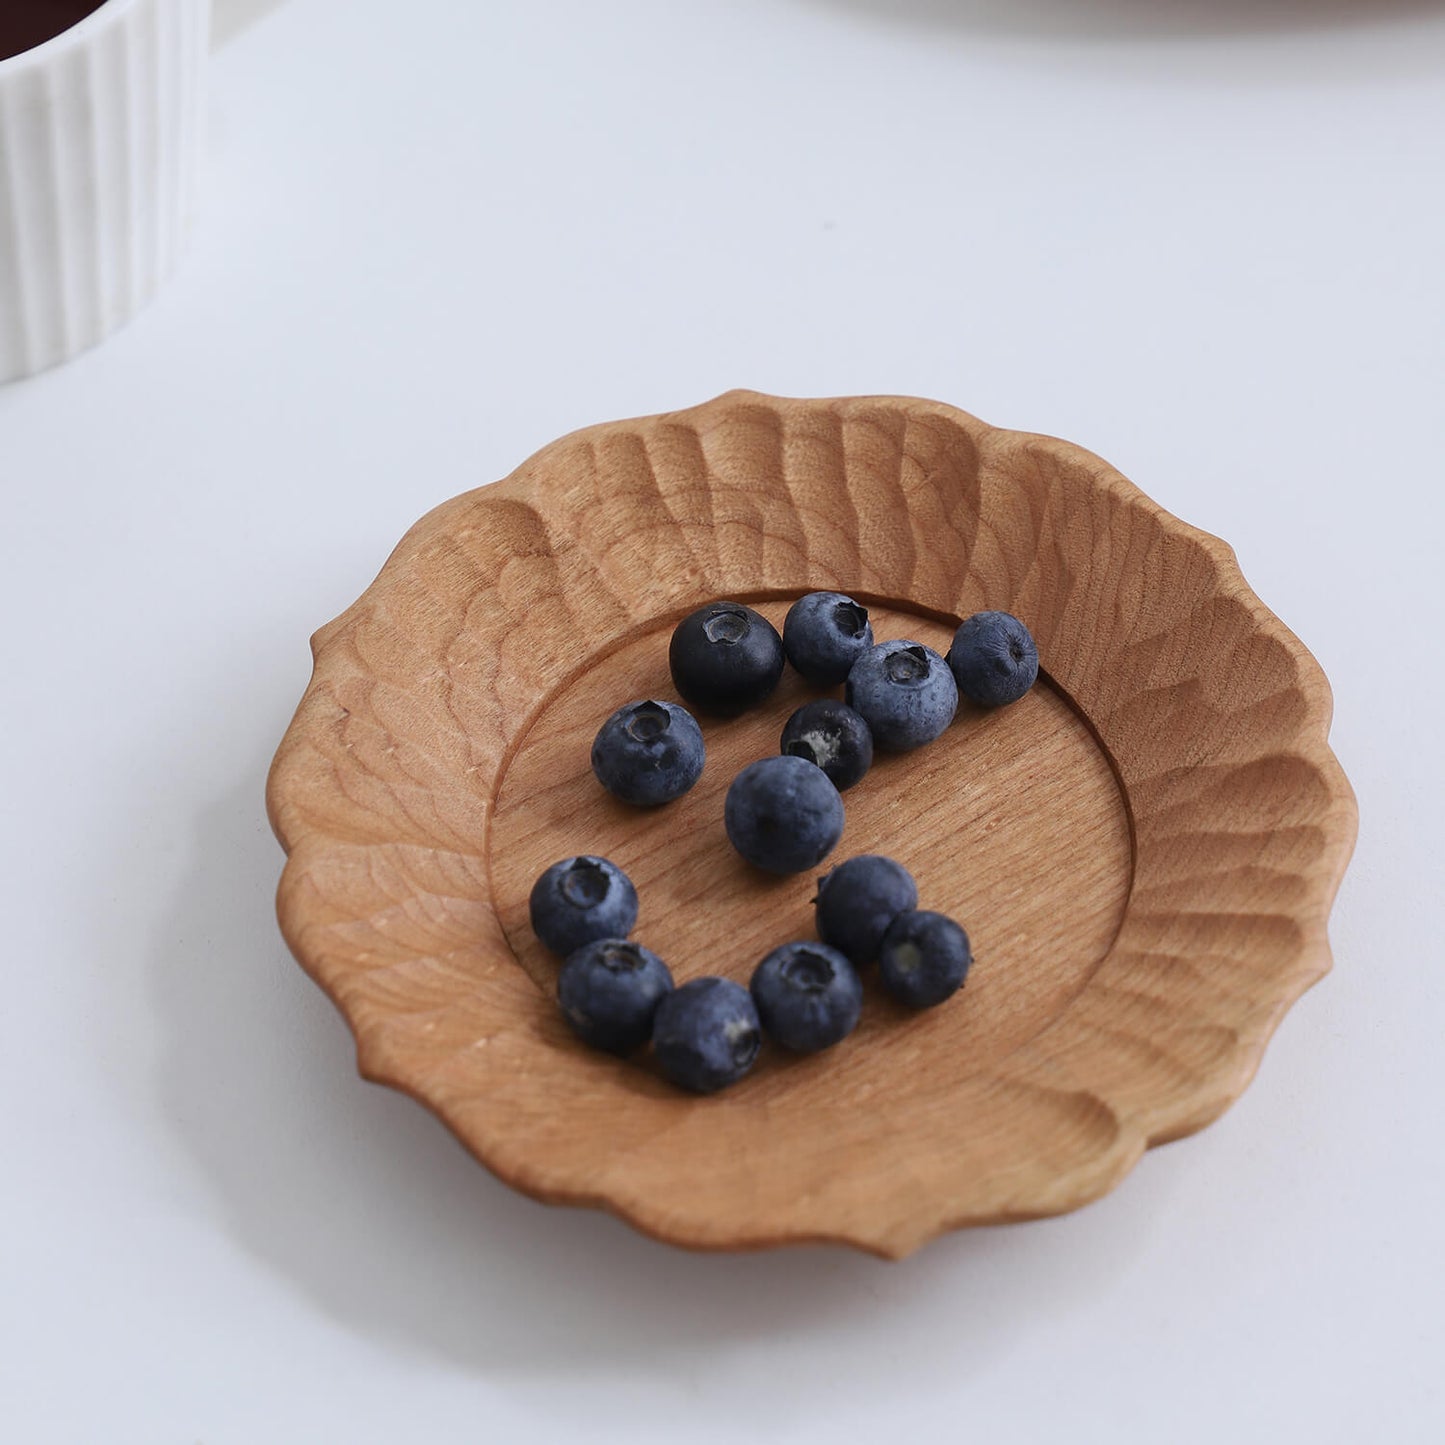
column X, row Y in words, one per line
column 100, row 141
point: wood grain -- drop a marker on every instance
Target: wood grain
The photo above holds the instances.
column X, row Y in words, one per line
column 1144, row 850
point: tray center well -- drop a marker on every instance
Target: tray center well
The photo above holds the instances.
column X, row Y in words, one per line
column 1012, row 822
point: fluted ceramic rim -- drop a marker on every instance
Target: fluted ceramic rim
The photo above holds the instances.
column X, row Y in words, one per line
column 101, row 134
column 1122, row 1093
column 76, row 34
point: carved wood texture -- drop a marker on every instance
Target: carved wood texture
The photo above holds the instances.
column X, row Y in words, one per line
column 1144, row 850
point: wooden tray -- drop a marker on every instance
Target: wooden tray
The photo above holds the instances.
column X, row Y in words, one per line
column 1144, row 850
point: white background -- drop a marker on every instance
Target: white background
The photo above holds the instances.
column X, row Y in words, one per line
column 1204, row 239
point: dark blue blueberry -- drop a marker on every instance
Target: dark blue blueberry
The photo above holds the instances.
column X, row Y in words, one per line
column 706, row 1034
column 808, row 996
column 648, row 753
column 824, row 634
column 993, row 659
column 581, row 899
column 905, row 692
column 857, row 901
column 725, row 658
column 829, row 733
column 783, row 815
column 924, row 959
column 609, row 991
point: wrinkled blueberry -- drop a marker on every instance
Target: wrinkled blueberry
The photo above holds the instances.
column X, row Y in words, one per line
column 824, row 634
column 924, row 958
column 783, row 815
column 993, row 659
column 706, row 1034
column 857, row 901
column 725, row 658
column 905, row 692
column 609, row 990
column 830, row 734
column 581, row 899
column 648, row 753
column 808, row 996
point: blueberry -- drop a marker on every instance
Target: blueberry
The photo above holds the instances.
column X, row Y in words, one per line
column 924, row 959
column 824, row 634
column 857, row 901
column 905, row 692
column 993, row 659
column 582, row 899
column 808, row 996
column 609, row 990
column 725, row 658
column 706, row 1034
column 830, row 734
column 648, row 753
column 783, row 815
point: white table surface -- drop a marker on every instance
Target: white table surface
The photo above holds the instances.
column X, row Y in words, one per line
column 1204, row 239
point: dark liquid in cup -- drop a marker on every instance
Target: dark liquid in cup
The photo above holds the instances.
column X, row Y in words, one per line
column 24, row 24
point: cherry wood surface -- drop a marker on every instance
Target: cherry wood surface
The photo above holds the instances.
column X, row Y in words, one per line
column 1144, row 850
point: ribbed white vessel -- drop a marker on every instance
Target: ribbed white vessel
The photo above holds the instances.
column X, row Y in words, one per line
column 100, row 141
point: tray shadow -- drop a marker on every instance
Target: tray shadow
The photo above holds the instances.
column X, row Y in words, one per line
column 366, row 1204
column 1141, row 20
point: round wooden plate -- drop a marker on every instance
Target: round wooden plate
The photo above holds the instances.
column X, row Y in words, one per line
column 1144, row 850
